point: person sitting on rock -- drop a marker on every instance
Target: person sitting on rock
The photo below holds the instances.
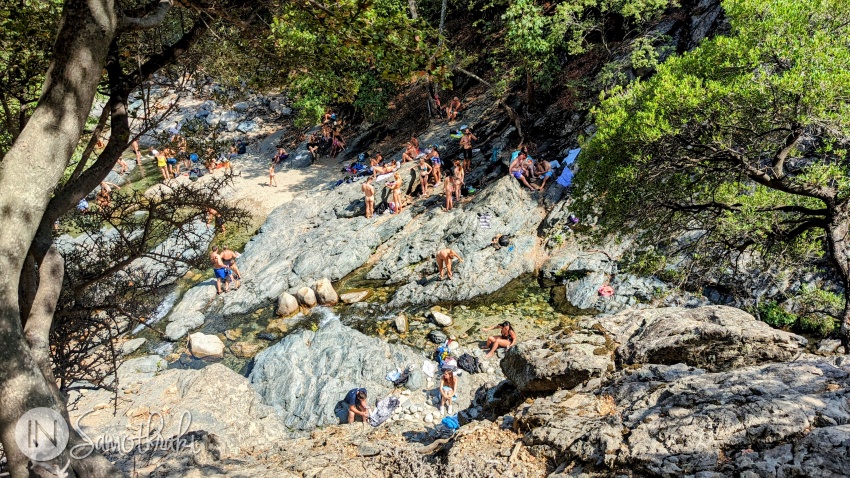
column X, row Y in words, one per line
column 448, row 391
column 411, row 152
column 518, row 170
column 507, row 339
column 357, row 406
column 543, row 171
column 453, row 108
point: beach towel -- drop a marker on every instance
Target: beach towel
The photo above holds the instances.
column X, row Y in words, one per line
column 566, row 178
column 484, row 220
column 383, row 410
column 571, row 156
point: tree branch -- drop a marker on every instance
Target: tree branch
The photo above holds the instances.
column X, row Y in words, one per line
column 152, row 20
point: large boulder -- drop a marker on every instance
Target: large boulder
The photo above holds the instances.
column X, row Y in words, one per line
column 307, row 374
column 714, row 338
column 203, row 345
column 287, row 305
column 214, row 399
column 561, row 361
column 510, row 209
column 306, row 297
column 325, row 293
column 782, row 419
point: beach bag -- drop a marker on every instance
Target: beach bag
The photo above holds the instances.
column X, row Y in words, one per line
column 451, row 422
column 449, row 363
column 403, row 378
column 351, row 396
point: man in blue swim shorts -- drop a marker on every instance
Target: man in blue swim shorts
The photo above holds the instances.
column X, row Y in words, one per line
column 543, row 171
column 220, row 271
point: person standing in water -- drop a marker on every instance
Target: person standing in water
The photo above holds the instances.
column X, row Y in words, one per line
column 228, row 257
column 220, row 271
column 444, row 262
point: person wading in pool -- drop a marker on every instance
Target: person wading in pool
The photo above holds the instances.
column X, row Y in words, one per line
column 220, row 271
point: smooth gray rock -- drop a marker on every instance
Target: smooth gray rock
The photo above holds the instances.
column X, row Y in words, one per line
column 561, row 361
column 676, row 420
column 287, row 305
column 241, row 107
column 325, row 293
column 441, row 319
column 203, row 345
column 306, row 297
column 132, row 345
column 401, row 324
column 307, row 374
column 714, row 338
column 437, row 337
column 410, row 261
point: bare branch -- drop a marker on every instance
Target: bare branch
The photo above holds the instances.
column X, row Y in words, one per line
column 129, row 24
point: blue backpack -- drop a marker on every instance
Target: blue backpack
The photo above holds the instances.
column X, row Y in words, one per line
column 351, row 396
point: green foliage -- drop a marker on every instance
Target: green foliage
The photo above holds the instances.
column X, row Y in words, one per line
column 774, row 315
column 27, row 28
column 537, row 33
column 643, row 263
column 351, row 53
column 694, row 148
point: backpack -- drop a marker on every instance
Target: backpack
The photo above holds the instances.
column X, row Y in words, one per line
column 351, row 396
column 403, row 378
column 469, row 363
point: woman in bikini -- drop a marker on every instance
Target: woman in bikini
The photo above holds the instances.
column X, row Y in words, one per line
column 506, row 339
column 424, row 174
column 436, row 163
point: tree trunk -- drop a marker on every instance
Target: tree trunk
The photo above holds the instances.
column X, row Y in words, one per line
column 838, row 228
column 29, row 172
column 414, row 14
column 442, row 23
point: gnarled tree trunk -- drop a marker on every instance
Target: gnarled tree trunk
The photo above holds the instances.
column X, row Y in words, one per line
column 28, row 174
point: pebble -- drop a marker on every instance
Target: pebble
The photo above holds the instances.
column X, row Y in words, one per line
column 490, row 370
column 429, row 418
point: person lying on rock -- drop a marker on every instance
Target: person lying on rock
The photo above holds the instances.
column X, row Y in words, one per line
column 444, row 262
column 448, row 390
column 507, row 339
column 360, row 407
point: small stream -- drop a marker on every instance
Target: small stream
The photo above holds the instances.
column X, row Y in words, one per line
column 523, row 302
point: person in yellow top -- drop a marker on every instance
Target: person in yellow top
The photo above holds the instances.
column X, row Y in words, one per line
column 161, row 164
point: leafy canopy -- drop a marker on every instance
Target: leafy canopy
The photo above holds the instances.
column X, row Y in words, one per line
column 742, row 140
